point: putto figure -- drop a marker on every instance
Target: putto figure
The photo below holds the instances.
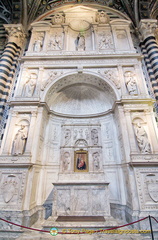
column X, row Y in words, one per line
column 19, row 142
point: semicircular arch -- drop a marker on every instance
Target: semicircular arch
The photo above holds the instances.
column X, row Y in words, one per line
column 80, row 94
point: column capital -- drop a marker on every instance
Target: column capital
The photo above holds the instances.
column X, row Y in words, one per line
column 16, row 33
column 147, row 27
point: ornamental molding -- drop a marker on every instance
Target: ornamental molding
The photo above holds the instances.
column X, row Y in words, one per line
column 147, row 28
column 16, row 33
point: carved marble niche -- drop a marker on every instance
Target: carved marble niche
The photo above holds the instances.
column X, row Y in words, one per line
column 141, row 135
column 19, row 141
column 38, row 41
column 80, row 41
column 131, row 82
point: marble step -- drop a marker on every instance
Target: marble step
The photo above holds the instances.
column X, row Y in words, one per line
column 46, row 236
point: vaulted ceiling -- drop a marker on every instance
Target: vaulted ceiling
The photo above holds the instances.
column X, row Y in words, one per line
column 26, row 11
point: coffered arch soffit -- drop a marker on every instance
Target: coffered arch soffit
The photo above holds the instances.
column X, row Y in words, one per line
column 81, row 94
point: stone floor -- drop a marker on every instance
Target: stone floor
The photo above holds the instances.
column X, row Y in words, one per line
column 45, row 236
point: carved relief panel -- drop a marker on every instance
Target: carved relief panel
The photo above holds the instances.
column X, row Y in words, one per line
column 11, row 188
column 147, row 184
column 81, row 138
column 56, row 40
column 111, row 74
column 28, row 84
column 105, row 39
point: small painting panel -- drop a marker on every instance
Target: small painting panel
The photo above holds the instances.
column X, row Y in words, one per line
column 81, row 161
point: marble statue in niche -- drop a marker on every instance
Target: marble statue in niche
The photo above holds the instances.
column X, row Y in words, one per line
column 80, row 42
column 29, row 86
column 38, row 44
column 67, row 136
column 102, row 17
column 9, row 188
column 142, row 138
column 58, row 18
column 55, row 42
column 94, row 136
column 19, row 142
column 131, row 83
column 96, row 161
column 105, row 41
column 66, row 161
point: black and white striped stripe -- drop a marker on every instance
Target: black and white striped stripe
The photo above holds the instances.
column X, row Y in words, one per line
column 148, row 61
column 8, row 65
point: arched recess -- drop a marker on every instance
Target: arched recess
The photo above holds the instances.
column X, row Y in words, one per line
column 81, row 94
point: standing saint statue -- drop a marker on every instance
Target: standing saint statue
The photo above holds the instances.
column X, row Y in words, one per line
column 80, row 42
column 142, row 139
column 38, row 44
column 131, row 83
column 29, row 86
column 19, row 141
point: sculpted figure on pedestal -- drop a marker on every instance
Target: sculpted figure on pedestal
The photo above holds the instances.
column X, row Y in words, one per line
column 94, row 136
column 29, row 86
column 96, row 163
column 142, row 139
column 67, row 136
column 131, row 83
column 80, row 42
column 19, row 142
column 66, row 161
column 38, row 44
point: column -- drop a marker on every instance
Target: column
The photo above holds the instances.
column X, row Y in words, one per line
column 9, row 61
column 149, row 49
